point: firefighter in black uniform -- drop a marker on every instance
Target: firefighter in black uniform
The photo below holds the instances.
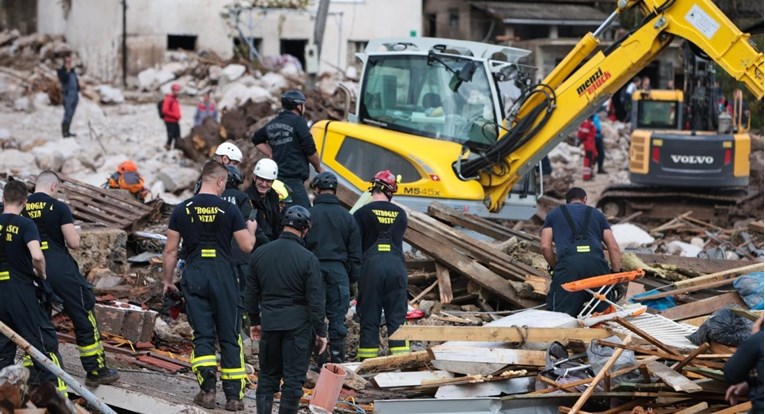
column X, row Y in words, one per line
column 206, row 223
column 334, row 239
column 579, row 232
column 265, row 201
column 285, row 302
column 22, row 267
column 55, row 224
column 287, row 140
column 383, row 281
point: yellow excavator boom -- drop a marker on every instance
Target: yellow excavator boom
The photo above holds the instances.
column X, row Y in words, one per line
column 575, row 89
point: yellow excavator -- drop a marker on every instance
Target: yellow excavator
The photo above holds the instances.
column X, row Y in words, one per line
column 686, row 150
column 465, row 124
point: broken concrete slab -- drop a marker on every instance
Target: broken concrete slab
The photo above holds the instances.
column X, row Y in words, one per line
column 102, row 247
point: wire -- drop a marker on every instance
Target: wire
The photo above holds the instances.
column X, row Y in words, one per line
column 357, row 408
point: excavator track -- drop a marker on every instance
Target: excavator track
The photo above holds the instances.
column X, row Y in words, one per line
column 662, row 204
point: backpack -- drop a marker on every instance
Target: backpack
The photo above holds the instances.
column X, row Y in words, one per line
column 159, row 108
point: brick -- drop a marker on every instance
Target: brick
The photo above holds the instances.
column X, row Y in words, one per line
column 128, row 321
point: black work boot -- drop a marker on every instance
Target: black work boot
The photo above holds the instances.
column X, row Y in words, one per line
column 65, row 130
column 205, row 399
column 337, row 350
column 264, row 403
column 234, row 405
column 102, row 376
column 289, row 406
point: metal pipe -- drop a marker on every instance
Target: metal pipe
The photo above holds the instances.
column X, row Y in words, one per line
column 606, row 24
column 55, row 369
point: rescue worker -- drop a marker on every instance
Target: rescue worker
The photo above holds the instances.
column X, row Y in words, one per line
column 383, row 279
column 599, row 148
column 205, row 109
column 578, row 232
column 285, row 303
column 128, row 178
column 22, row 270
column 57, row 232
column 70, row 89
column 237, row 197
column 226, row 153
column 265, row 200
column 586, row 134
column 335, row 240
column 287, row 140
column 207, row 223
column 171, row 114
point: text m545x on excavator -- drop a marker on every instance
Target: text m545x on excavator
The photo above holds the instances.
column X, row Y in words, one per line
column 434, row 110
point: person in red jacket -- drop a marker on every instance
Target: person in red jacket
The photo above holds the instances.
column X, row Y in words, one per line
column 586, row 135
column 171, row 112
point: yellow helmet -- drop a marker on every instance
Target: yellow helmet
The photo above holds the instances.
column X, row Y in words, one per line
column 284, row 192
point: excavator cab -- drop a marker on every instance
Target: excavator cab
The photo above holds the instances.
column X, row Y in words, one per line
column 423, row 104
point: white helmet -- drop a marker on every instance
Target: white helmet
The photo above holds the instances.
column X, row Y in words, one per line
column 230, row 150
column 266, row 169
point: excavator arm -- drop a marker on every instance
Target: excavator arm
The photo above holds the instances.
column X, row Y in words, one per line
column 548, row 111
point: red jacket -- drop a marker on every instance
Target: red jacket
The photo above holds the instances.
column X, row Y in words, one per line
column 586, row 134
column 171, row 109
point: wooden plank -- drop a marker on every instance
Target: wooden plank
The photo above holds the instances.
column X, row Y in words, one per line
column 444, row 283
column 719, row 275
column 694, row 408
column 468, row 268
column 674, row 379
column 700, row 265
column 703, row 307
column 491, row 355
column 498, row 334
column 678, row 367
column 708, row 285
column 410, row 361
column 756, row 226
column 423, row 293
column 408, row 379
column 740, row 408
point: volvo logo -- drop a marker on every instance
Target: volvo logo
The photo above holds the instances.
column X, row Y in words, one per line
column 692, row 159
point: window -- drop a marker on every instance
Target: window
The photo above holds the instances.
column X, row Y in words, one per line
column 243, row 45
column 430, row 25
column 365, row 160
column 181, row 42
column 656, row 114
column 295, row 48
column 454, row 17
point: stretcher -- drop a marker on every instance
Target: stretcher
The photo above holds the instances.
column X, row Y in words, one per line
column 599, row 287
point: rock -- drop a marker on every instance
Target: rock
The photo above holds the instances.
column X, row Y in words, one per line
column 631, row 236
column 22, row 104
column 698, row 242
column 275, row 83
column 165, row 332
column 214, row 72
column 100, row 247
column 176, row 68
column 679, row 248
column 427, row 305
column 72, row 166
column 178, row 179
column 150, row 79
column 40, row 100
column 126, row 320
column 110, row 94
column 17, row 162
column 731, row 256
column 233, row 71
column 102, row 278
column 5, row 135
column 52, row 155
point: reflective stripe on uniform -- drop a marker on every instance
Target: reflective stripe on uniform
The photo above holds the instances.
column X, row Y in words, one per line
column 5, row 275
column 91, row 350
column 398, row 350
column 232, row 373
column 383, row 247
column 208, row 253
column 27, row 360
column 60, row 385
column 204, row 361
column 582, row 249
column 367, row 353
column 44, row 245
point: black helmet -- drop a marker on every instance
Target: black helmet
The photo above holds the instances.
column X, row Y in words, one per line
column 297, row 217
column 235, row 177
column 291, row 99
column 324, row 181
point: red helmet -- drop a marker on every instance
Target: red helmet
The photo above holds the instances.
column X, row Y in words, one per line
column 386, row 181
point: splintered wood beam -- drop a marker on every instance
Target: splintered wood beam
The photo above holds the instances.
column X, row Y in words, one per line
column 498, row 334
column 410, row 361
column 694, row 408
column 444, row 283
column 699, row 350
column 740, row 408
column 726, row 274
column 704, row 306
column 639, row 332
column 708, row 285
column 674, row 379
